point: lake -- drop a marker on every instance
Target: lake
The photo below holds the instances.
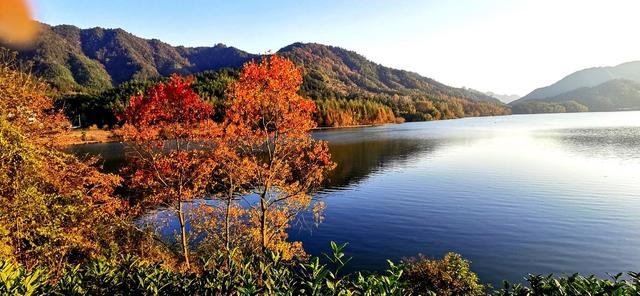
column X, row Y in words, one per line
column 548, row 193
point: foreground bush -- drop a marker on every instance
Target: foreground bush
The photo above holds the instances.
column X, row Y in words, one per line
column 54, row 208
column 449, row 276
column 255, row 275
column 574, row 285
column 251, row 276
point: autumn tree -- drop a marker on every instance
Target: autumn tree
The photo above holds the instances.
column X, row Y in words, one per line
column 165, row 132
column 229, row 182
column 25, row 103
column 54, row 208
column 269, row 125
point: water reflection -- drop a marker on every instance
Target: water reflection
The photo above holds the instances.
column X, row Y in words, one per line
column 111, row 155
column 357, row 160
column 611, row 142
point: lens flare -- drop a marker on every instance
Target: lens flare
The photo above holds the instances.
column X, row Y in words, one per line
column 16, row 26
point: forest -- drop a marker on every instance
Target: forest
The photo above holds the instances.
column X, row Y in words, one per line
column 69, row 228
column 100, row 109
column 540, row 106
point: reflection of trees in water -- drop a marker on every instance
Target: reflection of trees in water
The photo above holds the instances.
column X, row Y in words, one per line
column 111, row 155
column 356, row 160
column 619, row 142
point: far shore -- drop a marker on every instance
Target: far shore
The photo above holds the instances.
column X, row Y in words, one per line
column 96, row 136
column 87, row 136
column 320, row 128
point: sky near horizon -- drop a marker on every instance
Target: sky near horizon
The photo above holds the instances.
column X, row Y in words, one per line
column 503, row 46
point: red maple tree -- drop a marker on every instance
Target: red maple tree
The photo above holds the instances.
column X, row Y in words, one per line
column 164, row 132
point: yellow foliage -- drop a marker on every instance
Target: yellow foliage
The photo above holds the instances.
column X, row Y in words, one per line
column 54, row 208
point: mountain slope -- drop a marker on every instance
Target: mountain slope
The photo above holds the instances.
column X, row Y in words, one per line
column 336, row 72
column 613, row 95
column 587, row 78
column 60, row 60
column 95, row 59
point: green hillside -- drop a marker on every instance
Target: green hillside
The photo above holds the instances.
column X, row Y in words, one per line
column 587, row 78
column 613, row 95
column 91, row 60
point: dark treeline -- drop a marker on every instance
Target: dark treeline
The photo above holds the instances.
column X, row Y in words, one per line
column 100, row 109
column 538, row 106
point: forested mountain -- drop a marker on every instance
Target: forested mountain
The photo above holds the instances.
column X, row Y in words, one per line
column 613, row 95
column 336, row 72
column 75, row 59
column 342, row 81
column 595, row 89
column 348, row 88
column 587, row 78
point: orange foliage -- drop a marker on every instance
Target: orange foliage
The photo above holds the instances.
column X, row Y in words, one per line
column 269, row 125
column 57, row 209
column 25, row 104
column 164, row 131
column 264, row 149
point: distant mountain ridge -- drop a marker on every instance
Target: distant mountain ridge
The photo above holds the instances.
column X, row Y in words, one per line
column 594, row 89
column 613, row 95
column 86, row 60
column 503, row 98
column 587, row 78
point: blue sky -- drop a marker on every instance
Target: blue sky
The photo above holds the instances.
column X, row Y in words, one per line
column 505, row 46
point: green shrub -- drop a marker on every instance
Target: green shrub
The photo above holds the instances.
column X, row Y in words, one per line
column 574, row 285
column 254, row 275
column 449, row 276
column 15, row 280
column 218, row 276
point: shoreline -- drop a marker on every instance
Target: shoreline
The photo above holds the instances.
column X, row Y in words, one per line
column 75, row 137
column 322, row 128
column 86, row 136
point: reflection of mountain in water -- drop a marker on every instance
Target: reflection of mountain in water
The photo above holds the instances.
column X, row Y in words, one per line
column 357, row 160
column 615, row 142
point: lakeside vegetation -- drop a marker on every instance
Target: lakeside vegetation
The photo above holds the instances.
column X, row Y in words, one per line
column 70, row 229
column 539, row 106
column 333, row 110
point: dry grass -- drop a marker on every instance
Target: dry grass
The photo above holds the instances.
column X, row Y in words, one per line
column 86, row 136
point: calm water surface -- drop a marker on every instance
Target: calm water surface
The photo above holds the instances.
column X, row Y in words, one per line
column 552, row 193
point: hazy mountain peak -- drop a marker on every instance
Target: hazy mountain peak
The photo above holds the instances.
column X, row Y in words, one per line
column 594, row 89
column 503, row 98
column 589, row 77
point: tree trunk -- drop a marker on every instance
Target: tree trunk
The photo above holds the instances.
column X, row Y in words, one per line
column 227, row 231
column 183, row 235
column 263, row 224
column 227, row 228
